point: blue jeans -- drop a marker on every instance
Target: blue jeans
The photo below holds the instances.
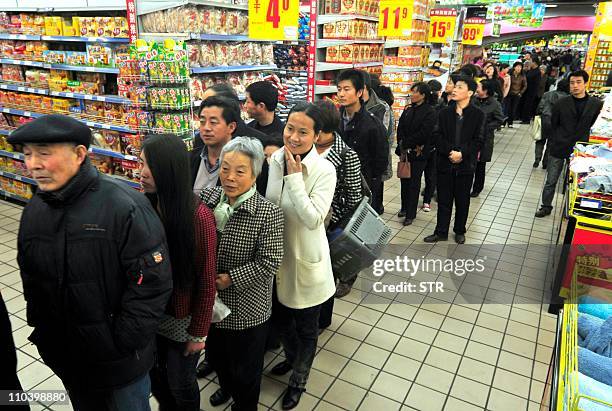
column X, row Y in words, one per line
column 173, row 377
column 134, row 397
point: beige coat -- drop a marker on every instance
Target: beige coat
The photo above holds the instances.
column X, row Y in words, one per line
column 305, row 277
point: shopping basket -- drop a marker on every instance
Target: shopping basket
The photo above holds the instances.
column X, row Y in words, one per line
column 569, row 397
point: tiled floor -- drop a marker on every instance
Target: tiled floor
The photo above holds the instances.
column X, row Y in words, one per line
column 381, row 354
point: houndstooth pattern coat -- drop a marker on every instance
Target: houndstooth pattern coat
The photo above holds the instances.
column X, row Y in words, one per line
column 250, row 249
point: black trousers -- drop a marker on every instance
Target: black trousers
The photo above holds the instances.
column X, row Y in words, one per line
column 8, row 357
column 411, row 188
column 430, row 177
column 377, row 187
column 479, row 176
column 453, row 187
column 528, row 103
column 238, row 357
column 326, row 313
column 513, row 105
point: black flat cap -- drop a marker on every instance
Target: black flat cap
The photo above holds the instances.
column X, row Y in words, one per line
column 52, row 128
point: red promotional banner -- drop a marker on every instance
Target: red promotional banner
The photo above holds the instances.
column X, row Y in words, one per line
column 131, row 18
column 312, row 50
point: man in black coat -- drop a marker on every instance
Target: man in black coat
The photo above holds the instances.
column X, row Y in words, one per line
column 95, row 269
column 8, row 358
column 571, row 121
column 458, row 138
column 529, row 99
column 363, row 132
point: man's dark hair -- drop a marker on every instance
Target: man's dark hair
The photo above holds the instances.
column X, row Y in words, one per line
column 489, row 86
column 470, row 70
column 423, row 89
column 517, row 63
column 168, row 160
column 367, row 79
column 354, row 76
column 434, row 85
column 503, row 66
column 230, row 110
column 580, row 73
column 470, row 82
column 563, row 85
column 330, row 116
column 222, row 90
column 375, row 82
column 311, row 111
column 386, row 94
column 264, row 92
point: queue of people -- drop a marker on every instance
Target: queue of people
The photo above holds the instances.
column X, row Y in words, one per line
column 227, row 251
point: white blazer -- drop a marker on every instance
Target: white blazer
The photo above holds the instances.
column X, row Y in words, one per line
column 305, row 277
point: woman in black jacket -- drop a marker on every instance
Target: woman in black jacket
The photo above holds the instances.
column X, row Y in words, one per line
column 489, row 105
column 414, row 140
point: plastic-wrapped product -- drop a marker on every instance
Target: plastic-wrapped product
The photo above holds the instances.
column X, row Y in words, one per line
column 207, row 55
column 221, row 54
column 235, row 80
column 193, row 52
column 234, row 55
column 256, row 53
column 267, row 54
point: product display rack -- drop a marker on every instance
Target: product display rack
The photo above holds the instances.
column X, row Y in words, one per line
column 599, row 55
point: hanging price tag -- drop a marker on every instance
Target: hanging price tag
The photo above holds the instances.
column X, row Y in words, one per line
column 274, row 19
column 442, row 26
column 395, row 18
column 473, row 32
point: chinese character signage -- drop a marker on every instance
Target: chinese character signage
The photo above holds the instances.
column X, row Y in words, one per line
column 131, row 18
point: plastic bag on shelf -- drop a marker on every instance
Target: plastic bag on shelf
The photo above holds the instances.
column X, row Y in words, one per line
column 193, row 53
column 267, row 54
column 256, row 53
column 207, row 55
column 221, row 54
column 204, row 17
column 218, row 21
column 234, row 55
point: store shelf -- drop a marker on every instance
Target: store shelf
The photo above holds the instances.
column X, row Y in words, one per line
column 89, row 69
column 388, row 69
column 391, row 44
column 22, row 62
column 7, row 36
column 420, row 17
column 153, row 6
column 93, row 124
column 13, row 87
column 331, row 18
column 198, row 103
column 17, row 177
column 230, row 69
column 225, row 37
column 370, row 64
column 110, row 153
column 326, row 89
column 92, row 97
column 86, row 39
column 323, row 43
column 13, row 196
column 9, row 154
column 323, row 66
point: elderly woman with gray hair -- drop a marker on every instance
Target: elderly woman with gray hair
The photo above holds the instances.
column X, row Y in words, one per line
column 250, row 250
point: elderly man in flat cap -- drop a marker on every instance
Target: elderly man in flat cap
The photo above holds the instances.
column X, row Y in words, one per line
column 95, row 269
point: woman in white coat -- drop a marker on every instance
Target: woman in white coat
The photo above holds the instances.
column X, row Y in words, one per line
column 302, row 184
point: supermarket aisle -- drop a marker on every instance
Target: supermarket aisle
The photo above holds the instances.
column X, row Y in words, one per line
column 390, row 356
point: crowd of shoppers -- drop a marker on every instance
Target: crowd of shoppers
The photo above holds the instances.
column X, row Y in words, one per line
column 228, row 247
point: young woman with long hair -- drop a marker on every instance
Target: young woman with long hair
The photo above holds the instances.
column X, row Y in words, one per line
column 191, row 234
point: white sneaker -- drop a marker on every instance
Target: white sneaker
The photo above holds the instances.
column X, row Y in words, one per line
column 426, row 207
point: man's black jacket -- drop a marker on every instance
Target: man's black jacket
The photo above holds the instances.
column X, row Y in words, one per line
column 567, row 128
column 415, row 128
column 368, row 137
column 96, row 278
column 470, row 141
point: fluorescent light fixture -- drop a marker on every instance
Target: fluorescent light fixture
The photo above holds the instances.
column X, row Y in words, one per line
column 549, row 6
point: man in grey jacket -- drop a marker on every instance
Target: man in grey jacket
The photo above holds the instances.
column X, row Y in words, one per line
column 549, row 99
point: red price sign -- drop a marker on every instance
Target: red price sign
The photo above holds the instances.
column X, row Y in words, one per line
column 395, row 18
column 473, row 32
column 442, row 26
column 274, row 19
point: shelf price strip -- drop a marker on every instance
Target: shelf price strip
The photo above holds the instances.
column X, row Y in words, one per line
column 274, row 19
column 395, row 18
column 442, row 26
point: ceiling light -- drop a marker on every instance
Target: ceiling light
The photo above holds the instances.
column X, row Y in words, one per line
column 548, row 6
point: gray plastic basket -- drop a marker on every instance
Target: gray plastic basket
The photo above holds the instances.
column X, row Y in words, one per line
column 360, row 241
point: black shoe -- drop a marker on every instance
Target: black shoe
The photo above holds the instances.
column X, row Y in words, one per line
column 408, row 221
column 536, row 164
column 219, row 397
column 292, row 398
column 204, row 369
column 434, row 238
column 542, row 212
column 459, row 238
column 281, row 368
column 544, row 166
column 474, row 194
column 401, row 213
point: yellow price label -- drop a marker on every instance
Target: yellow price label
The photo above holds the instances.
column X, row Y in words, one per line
column 274, row 19
column 442, row 25
column 472, row 33
column 395, row 18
